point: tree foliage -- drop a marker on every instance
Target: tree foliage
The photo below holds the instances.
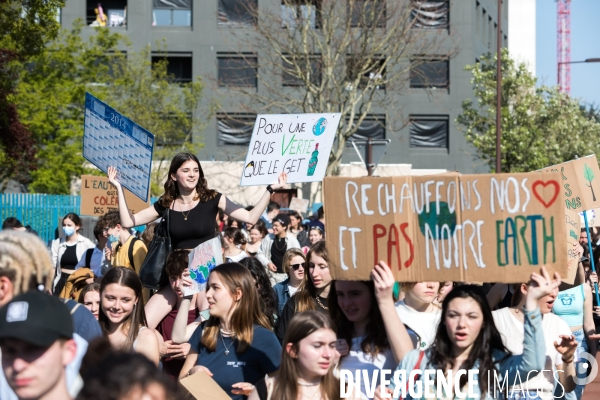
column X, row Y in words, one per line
column 51, row 95
column 334, row 56
column 540, row 125
column 25, row 25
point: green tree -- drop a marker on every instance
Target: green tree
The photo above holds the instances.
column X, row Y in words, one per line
column 540, row 125
column 25, row 25
column 51, row 96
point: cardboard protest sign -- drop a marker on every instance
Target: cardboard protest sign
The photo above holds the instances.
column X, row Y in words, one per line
column 298, row 144
column 98, row 196
column 580, row 180
column 202, row 386
column 203, row 259
column 573, row 228
column 300, row 205
column 111, row 139
column 464, row 228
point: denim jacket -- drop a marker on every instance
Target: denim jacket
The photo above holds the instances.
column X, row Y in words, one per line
column 282, row 290
column 533, row 358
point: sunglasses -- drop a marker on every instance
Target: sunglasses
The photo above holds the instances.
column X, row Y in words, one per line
column 316, row 228
column 296, row 266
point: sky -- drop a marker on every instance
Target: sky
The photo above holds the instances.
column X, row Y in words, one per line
column 585, row 43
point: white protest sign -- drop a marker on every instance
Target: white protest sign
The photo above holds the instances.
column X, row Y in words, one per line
column 298, row 144
column 110, row 139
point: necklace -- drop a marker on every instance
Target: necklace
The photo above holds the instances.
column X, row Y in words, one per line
column 277, row 246
column 188, row 211
column 321, row 304
column 308, row 384
column 312, row 396
column 226, row 348
column 225, row 332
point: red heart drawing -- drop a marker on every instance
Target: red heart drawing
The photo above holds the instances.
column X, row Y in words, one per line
column 544, row 184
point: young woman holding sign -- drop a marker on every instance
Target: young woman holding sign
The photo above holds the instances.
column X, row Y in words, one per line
column 193, row 205
column 467, row 340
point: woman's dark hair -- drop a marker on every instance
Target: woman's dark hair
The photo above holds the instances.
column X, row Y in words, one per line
column 239, row 239
column 483, row 347
column 114, row 375
column 375, row 340
column 261, row 227
column 125, row 277
column 92, row 287
column 172, row 190
column 75, row 218
column 263, row 285
column 177, row 262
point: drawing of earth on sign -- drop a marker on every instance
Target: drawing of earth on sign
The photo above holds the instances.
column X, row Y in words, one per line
column 204, row 262
column 320, row 126
column 445, row 221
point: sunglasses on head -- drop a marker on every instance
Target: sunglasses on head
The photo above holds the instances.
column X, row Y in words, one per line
column 296, row 266
column 316, row 228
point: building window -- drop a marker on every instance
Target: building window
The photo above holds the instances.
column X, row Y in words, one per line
column 371, row 71
column 106, row 13
column 295, row 12
column 237, row 12
column 179, row 66
column 310, row 64
column 429, row 73
column 373, row 127
column 172, row 13
column 367, row 13
column 429, row 131
column 430, row 14
column 234, row 129
column 237, row 70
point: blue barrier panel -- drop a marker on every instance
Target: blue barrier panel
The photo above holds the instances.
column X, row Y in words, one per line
column 41, row 211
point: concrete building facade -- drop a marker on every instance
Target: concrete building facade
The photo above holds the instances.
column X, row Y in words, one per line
column 196, row 39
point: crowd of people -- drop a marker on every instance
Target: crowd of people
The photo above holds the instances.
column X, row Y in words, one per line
column 77, row 323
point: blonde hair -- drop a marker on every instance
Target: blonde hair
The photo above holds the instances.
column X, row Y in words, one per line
column 25, row 256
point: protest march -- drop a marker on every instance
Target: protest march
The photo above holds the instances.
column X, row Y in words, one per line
column 434, row 286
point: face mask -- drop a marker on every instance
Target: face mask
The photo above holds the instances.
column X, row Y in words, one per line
column 114, row 238
column 68, row 230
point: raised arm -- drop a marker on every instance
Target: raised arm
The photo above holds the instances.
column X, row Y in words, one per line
column 534, row 348
column 398, row 337
column 239, row 213
column 128, row 219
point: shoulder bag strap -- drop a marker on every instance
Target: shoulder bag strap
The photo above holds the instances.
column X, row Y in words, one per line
column 130, row 251
column 88, row 258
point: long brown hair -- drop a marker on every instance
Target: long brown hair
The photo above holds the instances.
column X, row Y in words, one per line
column 125, row 277
column 302, row 325
column 375, row 341
column 305, row 296
column 247, row 313
column 172, row 190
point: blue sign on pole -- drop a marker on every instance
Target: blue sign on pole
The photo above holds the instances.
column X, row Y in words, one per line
column 110, row 139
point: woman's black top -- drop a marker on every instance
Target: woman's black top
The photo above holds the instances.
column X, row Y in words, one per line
column 199, row 226
column 69, row 257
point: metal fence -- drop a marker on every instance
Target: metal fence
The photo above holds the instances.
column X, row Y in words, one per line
column 44, row 212
column 41, row 211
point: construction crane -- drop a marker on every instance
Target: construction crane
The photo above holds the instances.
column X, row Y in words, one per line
column 563, row 45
